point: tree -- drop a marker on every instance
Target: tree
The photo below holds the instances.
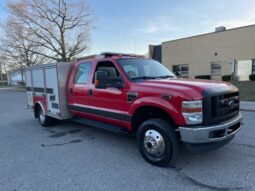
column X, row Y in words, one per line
column 18, row 51
column 3, row 76
column 60, row 27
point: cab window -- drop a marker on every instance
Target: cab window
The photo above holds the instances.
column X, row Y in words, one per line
column 109, row 67
column 82, row 74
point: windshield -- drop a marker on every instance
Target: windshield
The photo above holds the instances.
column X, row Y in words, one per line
column 144, row 69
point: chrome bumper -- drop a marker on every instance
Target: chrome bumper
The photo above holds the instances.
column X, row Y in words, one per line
column 213, row 133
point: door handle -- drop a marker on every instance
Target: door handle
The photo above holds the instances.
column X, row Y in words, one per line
column 71, row 90
column 89, row 92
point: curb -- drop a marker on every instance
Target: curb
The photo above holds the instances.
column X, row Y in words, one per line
column 248, row 106
column 13, row 89
column 247, row 110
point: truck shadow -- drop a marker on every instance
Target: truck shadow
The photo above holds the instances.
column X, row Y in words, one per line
column 84, row 132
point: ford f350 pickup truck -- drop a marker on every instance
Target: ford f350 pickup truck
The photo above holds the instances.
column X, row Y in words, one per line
column 129, row 93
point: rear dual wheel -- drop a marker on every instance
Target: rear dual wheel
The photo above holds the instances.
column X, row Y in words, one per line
column 157, row 142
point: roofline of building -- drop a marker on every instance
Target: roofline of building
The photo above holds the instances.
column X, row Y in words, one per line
column 253, row 25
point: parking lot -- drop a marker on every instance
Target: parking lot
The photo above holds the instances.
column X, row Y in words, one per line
column 71, row 156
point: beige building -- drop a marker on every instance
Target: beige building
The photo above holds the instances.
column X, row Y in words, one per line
column 222, row 52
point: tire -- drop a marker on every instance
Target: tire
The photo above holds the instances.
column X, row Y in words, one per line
column 157, row 142
column 43, row 119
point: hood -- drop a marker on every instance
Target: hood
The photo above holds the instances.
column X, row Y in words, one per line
column 191, row 88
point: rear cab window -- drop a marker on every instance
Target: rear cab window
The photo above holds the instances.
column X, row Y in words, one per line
column 82, row 73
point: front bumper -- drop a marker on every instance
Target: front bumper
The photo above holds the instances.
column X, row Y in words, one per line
column 213, row 133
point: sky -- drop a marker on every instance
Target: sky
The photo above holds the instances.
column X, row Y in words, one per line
column 130, row 26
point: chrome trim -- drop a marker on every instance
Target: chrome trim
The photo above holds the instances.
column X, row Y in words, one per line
column 200, row 134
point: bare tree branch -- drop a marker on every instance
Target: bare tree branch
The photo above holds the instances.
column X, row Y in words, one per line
column 16, row 48
column 61, row 27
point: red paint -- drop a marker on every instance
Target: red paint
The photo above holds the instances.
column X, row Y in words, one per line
column 41, row 100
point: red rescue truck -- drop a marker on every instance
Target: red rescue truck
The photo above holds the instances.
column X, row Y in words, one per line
column 134, row 94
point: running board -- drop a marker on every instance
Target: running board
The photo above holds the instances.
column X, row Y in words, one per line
column 112, row 128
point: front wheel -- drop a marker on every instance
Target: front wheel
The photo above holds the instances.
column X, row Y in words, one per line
column 157, row 142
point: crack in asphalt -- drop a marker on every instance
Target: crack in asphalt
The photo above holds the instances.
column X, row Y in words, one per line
column 204, row 185
column 60, row 144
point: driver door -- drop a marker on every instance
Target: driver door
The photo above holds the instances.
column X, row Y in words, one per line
column 111, row 103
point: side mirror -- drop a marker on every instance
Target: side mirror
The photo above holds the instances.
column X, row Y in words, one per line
column 101, row 79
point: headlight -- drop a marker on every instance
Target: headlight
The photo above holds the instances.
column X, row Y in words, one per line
column 192, row 111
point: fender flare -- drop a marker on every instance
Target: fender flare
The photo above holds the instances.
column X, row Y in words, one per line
column 41, row 105
column 156, row 102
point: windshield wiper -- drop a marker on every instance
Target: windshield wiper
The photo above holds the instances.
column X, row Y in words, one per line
column 164, row 77
column 143, row 78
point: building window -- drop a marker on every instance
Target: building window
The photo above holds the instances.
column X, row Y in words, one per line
column 216, row 68
column 181, row 70
column 253, row 66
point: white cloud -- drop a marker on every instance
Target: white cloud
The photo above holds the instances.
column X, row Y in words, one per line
column 160, row 24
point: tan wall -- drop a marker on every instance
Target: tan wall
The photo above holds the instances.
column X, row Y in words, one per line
column 199, row 51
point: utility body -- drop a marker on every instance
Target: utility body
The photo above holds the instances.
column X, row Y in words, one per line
column 129, row 93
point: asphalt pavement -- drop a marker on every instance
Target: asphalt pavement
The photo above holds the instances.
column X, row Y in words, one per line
column 70, row 156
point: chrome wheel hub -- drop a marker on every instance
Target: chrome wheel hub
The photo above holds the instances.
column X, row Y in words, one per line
column 154, row 143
